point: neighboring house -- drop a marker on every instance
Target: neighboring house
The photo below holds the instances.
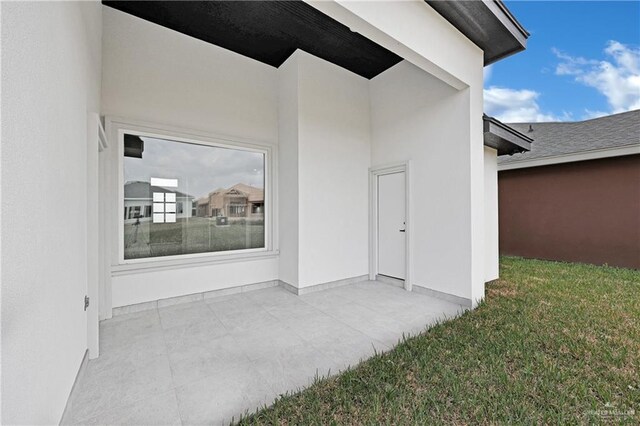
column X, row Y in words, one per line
column 576, row 195
column 138, row 202
column 363, row 118
column 238, row 202
column 202, row 206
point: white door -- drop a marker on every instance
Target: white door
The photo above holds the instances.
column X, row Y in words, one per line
column 391, row 225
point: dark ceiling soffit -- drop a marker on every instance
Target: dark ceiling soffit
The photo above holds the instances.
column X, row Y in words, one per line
column 487, row 23
column 504, row 139
column 267, row 31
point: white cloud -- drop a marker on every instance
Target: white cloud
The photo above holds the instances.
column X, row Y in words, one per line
column 571, row 65
column 618, row 78
column 516, row 106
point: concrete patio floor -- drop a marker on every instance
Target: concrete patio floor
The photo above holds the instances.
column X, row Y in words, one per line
column 210, row 361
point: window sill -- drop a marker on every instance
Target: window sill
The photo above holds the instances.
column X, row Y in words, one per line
column 162, row 265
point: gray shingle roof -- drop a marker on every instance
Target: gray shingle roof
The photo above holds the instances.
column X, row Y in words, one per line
column 553, row 139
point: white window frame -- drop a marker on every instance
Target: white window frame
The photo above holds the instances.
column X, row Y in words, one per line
column 117, row 129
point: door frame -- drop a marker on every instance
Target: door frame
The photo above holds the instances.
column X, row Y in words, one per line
column 374, row 173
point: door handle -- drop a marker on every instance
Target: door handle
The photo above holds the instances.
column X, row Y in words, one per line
column 403, row 230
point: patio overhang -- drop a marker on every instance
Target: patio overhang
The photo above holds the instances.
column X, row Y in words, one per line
column 487, row 23
column 270, row 31
column 503, row 138
column 267, row 31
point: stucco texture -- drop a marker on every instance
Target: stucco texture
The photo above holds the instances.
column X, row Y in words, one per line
column 586, row 211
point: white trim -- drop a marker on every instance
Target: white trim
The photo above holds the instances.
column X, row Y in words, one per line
column 508, row 22
column 163, row 263
column 374, row 172
column 209, row 257
column 118, row 126
column 102, row 136
column 93, row 266
column 571, row 158
column 105, row 186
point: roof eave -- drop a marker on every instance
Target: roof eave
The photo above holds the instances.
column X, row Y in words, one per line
column 492, row 59
column 504, row 139
column 483, row 25
column 508, row 20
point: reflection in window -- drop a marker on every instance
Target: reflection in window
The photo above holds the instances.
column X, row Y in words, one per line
column 185, row 198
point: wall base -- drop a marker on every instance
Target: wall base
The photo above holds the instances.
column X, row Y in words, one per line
column 122, row 310
column 396, row 282
column 323, row 286
column 462, row 301
column 81, row 370
column 129, row 309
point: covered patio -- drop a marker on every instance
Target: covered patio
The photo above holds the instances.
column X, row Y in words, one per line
column 209, row 361
column 356, row 129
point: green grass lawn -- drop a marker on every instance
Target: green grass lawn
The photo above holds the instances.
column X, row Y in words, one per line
column 552, row 343
column 192, row 235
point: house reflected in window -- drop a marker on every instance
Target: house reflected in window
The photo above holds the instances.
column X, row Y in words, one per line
column 170, row 207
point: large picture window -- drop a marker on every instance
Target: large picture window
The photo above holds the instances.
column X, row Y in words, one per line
column 183, row 198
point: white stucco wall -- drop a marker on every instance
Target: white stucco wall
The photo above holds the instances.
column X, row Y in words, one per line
column 490, row 214
column 150, row 74
column 174, row 281
column 50, row 82
column 413, row 30
column 325, row 155
column 416, row 117
column 334, row 157
column 153, row 74
column 288, row 210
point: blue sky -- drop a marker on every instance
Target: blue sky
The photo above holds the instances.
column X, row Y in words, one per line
column 582, row 61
